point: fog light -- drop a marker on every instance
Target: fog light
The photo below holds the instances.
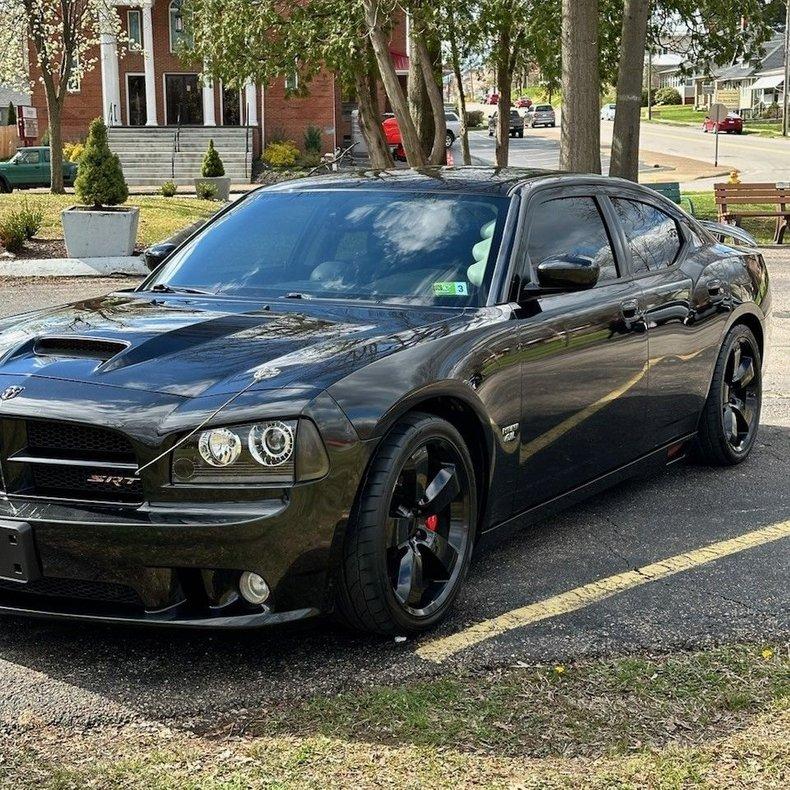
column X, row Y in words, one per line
column 253, row 588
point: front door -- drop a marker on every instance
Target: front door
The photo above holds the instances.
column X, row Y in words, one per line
column 135, row 86
column 231, row 106
column 183, row 100
column 584, row 356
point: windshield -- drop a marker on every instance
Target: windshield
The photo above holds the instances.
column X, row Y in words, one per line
column 543, row 108
column 377, row 246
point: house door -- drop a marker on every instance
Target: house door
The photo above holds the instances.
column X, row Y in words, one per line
column 183, row 100
column 231, row 106
column 135, row 87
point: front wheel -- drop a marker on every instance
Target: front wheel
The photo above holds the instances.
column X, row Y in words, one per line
column 410, row 540
column 730, row 419
column 5, row 187
column 449, row 140
column 520, row 132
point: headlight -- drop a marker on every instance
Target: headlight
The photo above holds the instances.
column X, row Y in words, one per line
column 274, row 451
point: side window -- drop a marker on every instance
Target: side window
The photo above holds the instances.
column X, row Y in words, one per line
column 652, row 235
column 571, row 227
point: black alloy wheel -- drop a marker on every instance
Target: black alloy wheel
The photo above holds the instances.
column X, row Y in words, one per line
column 731, row 417
column 409, row 547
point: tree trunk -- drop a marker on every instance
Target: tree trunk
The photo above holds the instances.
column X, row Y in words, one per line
column 580, row 135
column 380, row 43
column 625, row 137
column 504, row 80
column 54, row 109
column 370, row 123
column 436, row 99
column 456, row 63
column 419, row 103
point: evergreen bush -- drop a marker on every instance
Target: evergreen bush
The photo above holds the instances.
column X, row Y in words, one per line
column 206, row 190
column 212, row 164
column 668, row 95
column 11, row 114
column 168, row 189
column 312, row 140
column 281, row 154
column 100, row 180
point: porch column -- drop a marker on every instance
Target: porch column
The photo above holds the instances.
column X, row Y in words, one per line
column 209, row 118
column 110, row 88
column 148, row 57
column 251, row 103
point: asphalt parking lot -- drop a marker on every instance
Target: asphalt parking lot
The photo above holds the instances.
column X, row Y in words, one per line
column 86, row 675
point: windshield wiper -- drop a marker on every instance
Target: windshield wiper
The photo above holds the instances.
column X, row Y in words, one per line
column 163, row 288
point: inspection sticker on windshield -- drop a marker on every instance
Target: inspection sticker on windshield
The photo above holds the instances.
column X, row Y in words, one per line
column 450, row 289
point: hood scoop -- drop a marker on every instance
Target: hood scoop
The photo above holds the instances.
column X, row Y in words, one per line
column 78, row 348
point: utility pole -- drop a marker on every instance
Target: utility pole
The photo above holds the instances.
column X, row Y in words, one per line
column 786, row 92
column 650, row 83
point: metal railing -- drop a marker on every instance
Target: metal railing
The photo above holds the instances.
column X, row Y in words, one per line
column 176, row 147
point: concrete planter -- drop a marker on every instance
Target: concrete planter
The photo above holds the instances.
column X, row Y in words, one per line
column 100, row 233
column 221, row 183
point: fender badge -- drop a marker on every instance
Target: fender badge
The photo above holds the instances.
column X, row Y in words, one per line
column 266, row 372
column 11, row 392
column 509, row 432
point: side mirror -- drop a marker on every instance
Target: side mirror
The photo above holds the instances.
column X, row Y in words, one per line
column 575, row 273
column 156, row 254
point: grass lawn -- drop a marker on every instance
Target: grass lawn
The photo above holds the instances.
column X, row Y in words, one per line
column 706, row 719
column 160, row 217
column 705, row 207
column 686, row 115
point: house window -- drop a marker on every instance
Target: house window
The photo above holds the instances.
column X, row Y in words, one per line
column 179, row 37
column 292, row 80
column 134, row 28
column 74, row 84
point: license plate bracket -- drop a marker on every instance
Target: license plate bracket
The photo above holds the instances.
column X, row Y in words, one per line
column 18, row 561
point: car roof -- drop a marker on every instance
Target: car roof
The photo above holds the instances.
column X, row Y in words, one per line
column 470, row 179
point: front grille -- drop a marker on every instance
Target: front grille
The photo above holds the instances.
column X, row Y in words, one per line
column 80, row 482
column 78, row 589
column 66, row 461
column 95, row 443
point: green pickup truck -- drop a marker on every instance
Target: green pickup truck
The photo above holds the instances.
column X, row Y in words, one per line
column 29, row 167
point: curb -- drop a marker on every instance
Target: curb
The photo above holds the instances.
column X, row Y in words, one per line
column 73, row 267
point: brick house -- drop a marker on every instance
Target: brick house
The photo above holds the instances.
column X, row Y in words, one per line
column 150, row 91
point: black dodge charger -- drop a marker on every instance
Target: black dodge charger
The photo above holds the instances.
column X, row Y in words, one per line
column 330, row 394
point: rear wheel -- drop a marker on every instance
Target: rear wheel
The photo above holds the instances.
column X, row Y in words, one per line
column 410, row 542
column 729, row 423
column 5, row 187
column 449, row 140
column 520, row 132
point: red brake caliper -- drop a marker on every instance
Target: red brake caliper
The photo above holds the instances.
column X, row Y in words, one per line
column 431, row 523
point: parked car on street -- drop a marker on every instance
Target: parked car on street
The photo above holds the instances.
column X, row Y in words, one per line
column 732, row 124
column 453, row 122
column 395, row 142
column 608, row 111
column 541, row 115
column 335, row 390
column 493, row 98
column 524, row 102
column 516, row 124
column 30, row 167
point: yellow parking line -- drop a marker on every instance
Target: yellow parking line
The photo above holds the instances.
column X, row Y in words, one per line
column 440, row 649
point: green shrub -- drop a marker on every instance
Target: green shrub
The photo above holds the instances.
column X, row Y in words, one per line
column 281, row 154
column 644, row 97
column 100, row 180
column 206, row 191
column 309, row 160
column 29, row 217
column 212, row 164
column 474, row 118
column 668, row 96
column 12, row 232
column 72, row 152
column 312, row 140
column 168, row 189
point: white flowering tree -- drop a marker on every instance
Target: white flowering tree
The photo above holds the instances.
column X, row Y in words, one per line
column 64, row 39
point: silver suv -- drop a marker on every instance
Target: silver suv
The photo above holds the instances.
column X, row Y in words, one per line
column 541, row 115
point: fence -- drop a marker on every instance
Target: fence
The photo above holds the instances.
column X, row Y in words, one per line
column 9, row 141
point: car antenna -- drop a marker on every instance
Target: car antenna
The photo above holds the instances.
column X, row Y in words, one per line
column 263, row 372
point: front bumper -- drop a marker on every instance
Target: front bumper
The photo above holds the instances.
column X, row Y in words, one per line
column 176, row 559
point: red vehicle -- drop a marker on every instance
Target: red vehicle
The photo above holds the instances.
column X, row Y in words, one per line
column 524, row 102
column 732, row 124
column 493, row 98
column 392, row 135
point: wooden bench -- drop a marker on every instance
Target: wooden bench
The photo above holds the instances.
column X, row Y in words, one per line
column 671, row 191
column 733, row 201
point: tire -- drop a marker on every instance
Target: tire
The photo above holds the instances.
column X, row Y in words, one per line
column 490, row 134
column 521, row 133
column 449, row 140
column 553, row 125
column 731, row 416
column 377, row 592
column 5, row 187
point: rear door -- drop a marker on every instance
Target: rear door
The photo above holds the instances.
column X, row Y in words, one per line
column 584, row 353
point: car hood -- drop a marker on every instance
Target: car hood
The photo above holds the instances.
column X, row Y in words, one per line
column 199, row 346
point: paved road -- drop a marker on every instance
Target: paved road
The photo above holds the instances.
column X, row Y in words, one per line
column 758, row 159
column 84, row 675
